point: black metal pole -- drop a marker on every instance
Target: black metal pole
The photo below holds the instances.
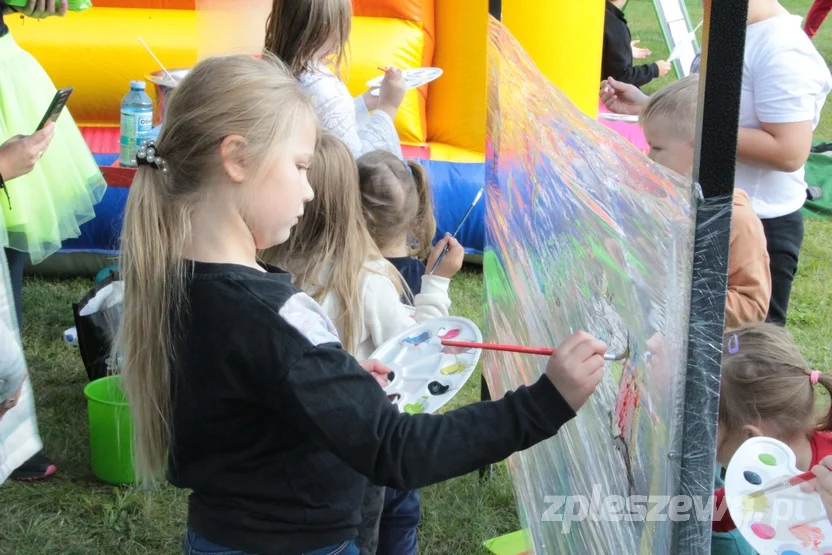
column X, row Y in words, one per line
column 495, row 8
column 719, row 102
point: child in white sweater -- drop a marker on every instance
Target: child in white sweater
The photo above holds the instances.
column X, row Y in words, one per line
column 333, row 257
column 311, row 36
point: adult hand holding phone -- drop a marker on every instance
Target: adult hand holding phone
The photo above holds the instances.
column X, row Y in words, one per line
column 19, row 154
column 41, row 9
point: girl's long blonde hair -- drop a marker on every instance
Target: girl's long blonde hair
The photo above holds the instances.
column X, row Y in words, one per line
column 298, row 31
column 396, row 201
column 765, row 378
column 221, row 96
column 329, row 249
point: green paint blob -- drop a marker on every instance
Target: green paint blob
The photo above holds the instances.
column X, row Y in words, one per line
column 498, row 286
column 767, row 459
column 414, row 408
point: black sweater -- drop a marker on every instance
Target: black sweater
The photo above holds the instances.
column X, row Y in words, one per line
column 274, row 423
column 617, row 58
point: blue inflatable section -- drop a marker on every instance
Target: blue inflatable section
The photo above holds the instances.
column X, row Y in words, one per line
column 454, row 187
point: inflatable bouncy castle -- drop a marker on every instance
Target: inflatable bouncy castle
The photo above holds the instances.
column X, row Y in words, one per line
column 442, row 124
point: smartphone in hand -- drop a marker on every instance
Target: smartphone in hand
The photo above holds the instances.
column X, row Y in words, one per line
column 56, row 107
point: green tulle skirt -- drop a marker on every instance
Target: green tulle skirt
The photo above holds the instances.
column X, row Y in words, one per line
column 49, row 204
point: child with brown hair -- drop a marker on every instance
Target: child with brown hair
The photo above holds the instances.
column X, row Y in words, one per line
column 333, row 257
column 237, row 382
column 669, row 123
column 398, row 210
column 767, row 389
column 311, row 36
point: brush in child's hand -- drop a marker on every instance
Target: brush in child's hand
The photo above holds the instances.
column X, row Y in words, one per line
column 784, row 484
column 545, row 351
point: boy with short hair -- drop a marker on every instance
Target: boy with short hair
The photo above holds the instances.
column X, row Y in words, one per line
column 669, row 123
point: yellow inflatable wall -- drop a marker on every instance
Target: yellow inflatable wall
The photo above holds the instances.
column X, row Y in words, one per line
column 98, row 53
column 565, row 39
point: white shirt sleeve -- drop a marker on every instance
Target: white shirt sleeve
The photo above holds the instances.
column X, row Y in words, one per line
column 385, row 315
column 788, row 87
column 340, row 113
column 362, row 113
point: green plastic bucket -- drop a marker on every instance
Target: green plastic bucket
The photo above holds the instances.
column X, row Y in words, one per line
column 111, row 431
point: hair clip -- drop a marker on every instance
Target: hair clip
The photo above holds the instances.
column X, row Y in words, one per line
column 734, row 344
column 814, row 377
column 146, row 156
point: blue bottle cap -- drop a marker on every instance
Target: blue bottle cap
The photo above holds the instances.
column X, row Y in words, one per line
column 137, row 85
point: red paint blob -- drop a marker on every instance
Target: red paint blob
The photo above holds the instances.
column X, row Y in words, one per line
column 763, row 531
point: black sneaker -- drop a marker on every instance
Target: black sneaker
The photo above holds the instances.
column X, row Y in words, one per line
column 36, row 468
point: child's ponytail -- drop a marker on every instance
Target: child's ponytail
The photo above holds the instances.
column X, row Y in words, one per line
column 152, row 244
column 424, row 227
column 825, row 380
column 765, row 378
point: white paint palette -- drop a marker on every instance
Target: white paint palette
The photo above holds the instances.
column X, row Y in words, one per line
column 784, row 522
column 413, row 78
column 426, row 374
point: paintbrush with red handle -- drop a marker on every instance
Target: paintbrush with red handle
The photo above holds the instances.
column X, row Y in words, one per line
column 784, row 484
column 545, row 351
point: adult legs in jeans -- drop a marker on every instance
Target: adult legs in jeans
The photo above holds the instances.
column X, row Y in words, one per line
column 39, row 466
column 397, row 533
column 17, row 260
column 784, row 237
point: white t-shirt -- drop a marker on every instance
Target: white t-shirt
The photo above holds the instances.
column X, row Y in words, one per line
column 784, row 80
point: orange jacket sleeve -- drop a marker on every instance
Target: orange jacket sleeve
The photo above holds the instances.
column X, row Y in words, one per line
column 749, row 277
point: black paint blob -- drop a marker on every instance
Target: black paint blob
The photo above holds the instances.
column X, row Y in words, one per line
column 437, row 388
column 391, row 376
column 394, row 397
column 752, row 478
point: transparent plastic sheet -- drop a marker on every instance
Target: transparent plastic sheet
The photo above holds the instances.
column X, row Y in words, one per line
column 583, row 232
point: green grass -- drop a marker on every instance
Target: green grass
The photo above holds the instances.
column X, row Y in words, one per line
column 73, row 513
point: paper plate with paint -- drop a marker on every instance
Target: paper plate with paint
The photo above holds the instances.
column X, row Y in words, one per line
column 784, row 522
column 412, row 77
column 426, row 374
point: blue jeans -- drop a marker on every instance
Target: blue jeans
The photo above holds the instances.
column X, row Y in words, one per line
column 397, row 533
column 196, row 545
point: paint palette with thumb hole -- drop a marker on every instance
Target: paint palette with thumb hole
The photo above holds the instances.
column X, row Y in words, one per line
column 427, row 374
column 783, row 522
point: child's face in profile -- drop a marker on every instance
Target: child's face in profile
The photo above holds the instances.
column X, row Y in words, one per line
column 668, row 149
column 283, row 188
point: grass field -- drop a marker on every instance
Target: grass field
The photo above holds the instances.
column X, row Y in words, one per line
column 74, row 513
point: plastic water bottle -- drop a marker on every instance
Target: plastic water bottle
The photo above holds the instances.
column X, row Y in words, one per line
column 136, row 123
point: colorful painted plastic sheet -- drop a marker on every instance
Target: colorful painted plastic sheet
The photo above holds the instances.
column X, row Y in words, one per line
column 584, row 232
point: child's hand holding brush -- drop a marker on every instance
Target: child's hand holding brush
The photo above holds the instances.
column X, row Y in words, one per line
column 823, row 484
column 577, row 367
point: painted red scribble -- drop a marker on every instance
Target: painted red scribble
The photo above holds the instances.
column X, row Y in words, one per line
column 627, row 402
